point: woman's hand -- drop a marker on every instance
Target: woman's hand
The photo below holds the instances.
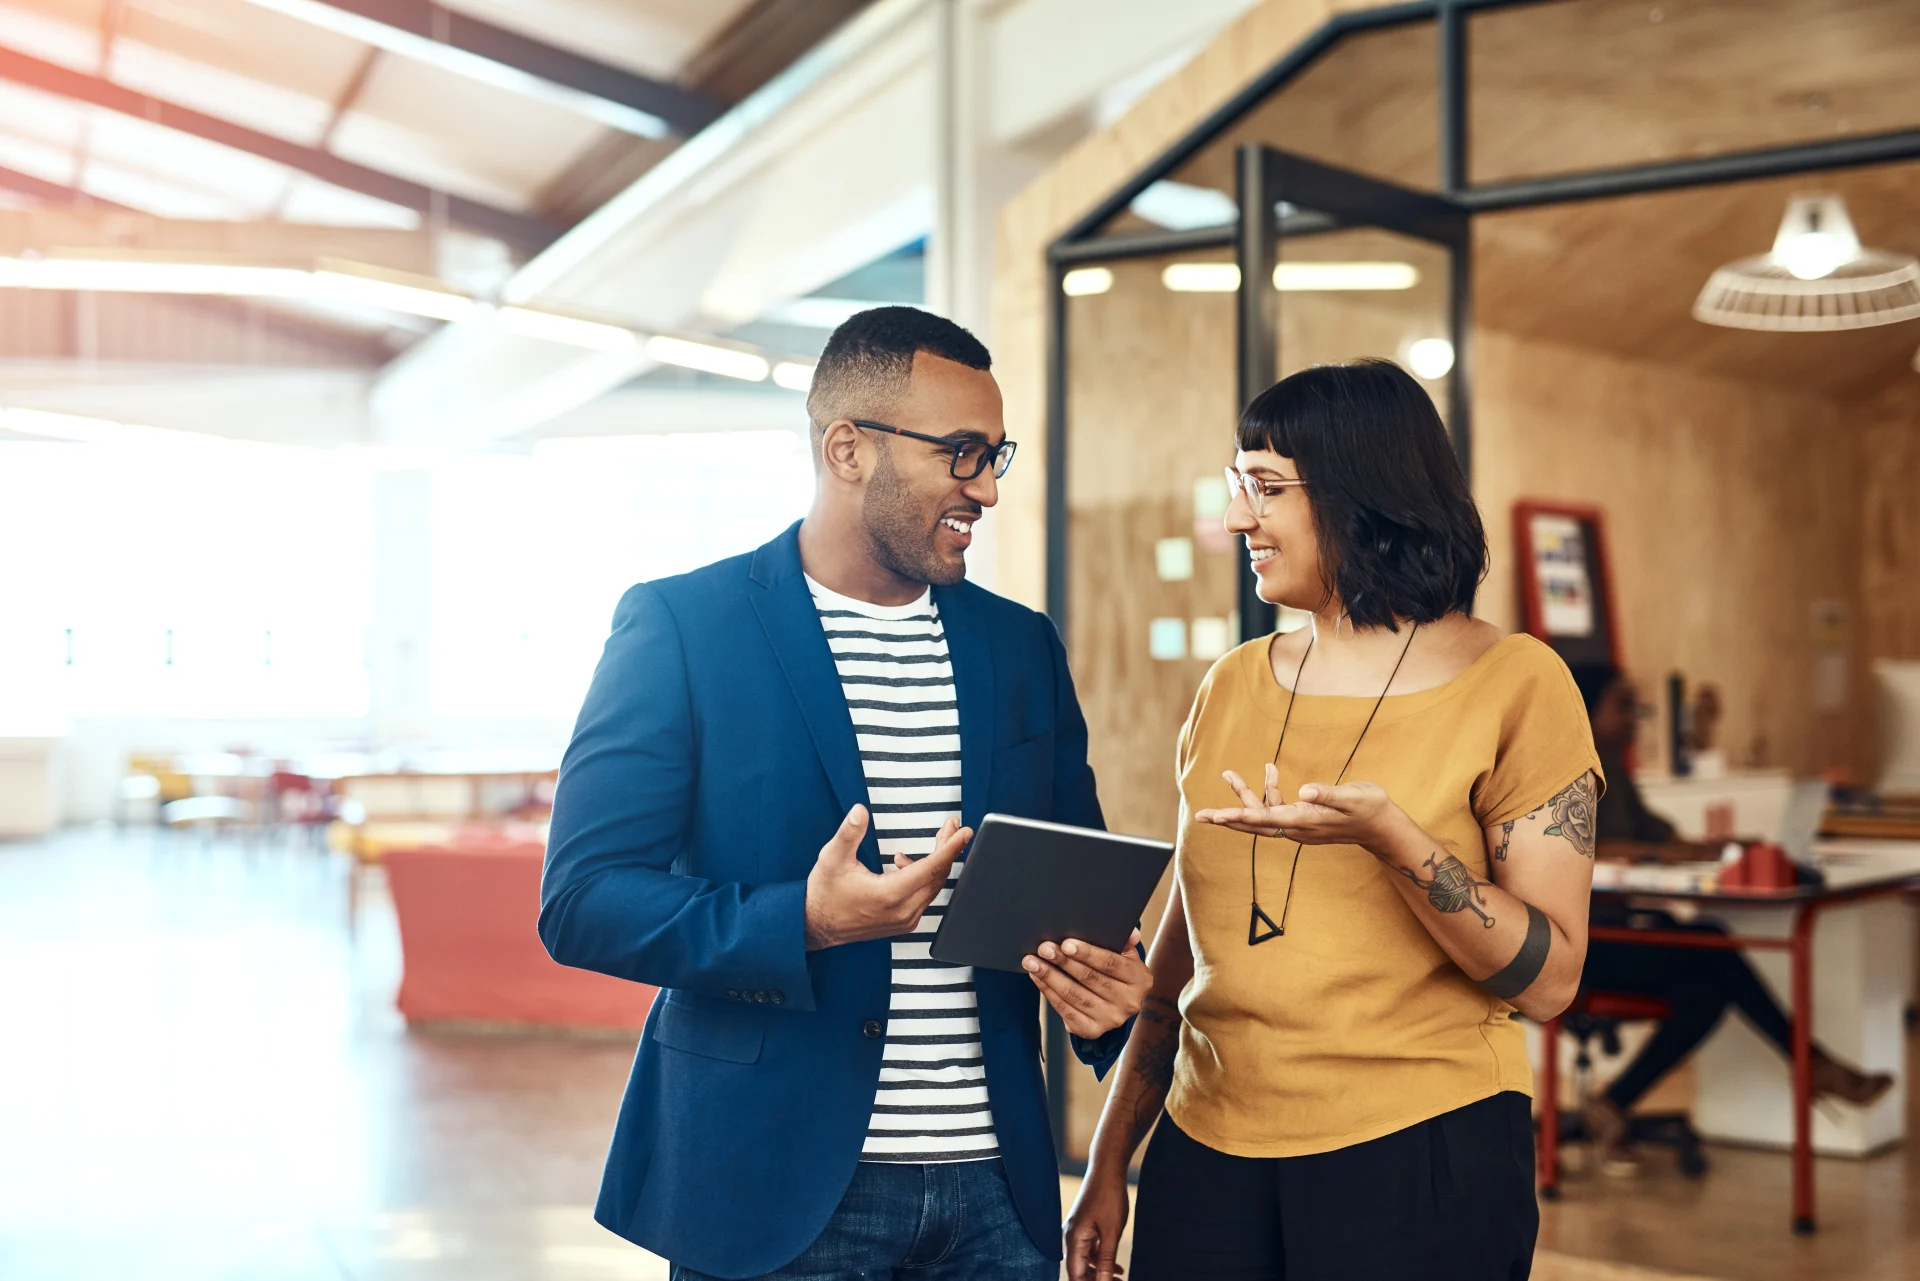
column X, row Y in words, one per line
column 1351, row 814
column 1094, row 1224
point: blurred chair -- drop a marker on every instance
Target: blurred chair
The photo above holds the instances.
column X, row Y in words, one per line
column 210, row 814
column 1599, row 1015
column 297, row 802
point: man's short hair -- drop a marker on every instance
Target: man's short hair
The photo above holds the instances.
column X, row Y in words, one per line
column 869, row 361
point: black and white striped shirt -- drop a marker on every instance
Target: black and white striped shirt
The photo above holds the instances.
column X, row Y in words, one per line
column 931, row 1101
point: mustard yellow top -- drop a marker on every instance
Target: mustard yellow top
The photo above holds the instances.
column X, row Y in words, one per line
column 1354, row 1024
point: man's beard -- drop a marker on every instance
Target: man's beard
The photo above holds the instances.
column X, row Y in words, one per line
column 902, row 538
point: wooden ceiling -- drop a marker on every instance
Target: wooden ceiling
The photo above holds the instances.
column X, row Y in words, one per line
column 1621, row 275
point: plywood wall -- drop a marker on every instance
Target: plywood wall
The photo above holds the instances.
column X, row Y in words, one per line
column 1890, row 525
column 1732, row 509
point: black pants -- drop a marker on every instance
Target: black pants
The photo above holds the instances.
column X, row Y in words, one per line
column 1698, row 983
column 1450, row 1199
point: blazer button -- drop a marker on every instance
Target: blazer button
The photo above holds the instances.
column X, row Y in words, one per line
column 872, row 1030
column 777, row 997
column 733, row 994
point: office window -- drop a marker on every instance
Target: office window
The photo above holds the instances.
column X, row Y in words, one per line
column 531, row 554
column 216, row 583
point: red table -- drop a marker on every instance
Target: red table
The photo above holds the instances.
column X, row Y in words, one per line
column 1808, row 902
column 467, row 914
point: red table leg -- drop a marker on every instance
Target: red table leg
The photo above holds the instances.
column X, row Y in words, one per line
column 1801, row 955
column 1550, row 1109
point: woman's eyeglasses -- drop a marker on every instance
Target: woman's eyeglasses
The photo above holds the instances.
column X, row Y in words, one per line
column 1259, row 489
column 971, row 456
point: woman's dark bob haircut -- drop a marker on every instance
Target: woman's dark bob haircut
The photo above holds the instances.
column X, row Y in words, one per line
column 1400, row 537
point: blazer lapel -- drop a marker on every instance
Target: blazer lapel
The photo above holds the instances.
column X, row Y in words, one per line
column 972, row 657
column 787, row 615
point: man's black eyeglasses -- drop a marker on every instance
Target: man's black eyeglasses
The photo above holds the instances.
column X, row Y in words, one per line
column 971, row 455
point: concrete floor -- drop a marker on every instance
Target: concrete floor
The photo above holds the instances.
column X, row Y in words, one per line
column 202, row 1078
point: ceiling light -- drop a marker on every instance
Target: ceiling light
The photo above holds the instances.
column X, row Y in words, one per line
column 1290, row 277
column 1082, row 281
column 1181, row 206
column 1201, row 277
column 330, row 279
column 1816, row 237
column 152, row 276
column 729, row 362
column 101, row 431
column 793, row 375
column 418, row 296
column 1816, row 278
column 1430, row 358
column 550, row 326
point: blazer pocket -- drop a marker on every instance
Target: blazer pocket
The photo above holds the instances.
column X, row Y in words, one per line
column 733, row 1037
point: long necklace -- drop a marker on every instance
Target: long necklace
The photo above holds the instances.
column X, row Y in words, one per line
column 1256, row 934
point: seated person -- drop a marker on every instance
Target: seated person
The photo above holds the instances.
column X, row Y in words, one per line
column 1697, row 983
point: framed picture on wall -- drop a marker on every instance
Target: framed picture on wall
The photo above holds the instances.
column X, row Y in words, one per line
column 1565, row 582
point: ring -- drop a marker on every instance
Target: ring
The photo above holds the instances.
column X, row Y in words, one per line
column 1279, row 833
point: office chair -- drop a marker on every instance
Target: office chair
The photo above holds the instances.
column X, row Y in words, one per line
column 1600, row 1014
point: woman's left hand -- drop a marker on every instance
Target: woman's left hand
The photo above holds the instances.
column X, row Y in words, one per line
column 1351, row 814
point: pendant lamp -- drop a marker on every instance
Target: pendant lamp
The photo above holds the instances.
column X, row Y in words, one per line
column 1816, row 278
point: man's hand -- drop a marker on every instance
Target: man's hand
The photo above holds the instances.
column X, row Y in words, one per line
column 847, row 904
column 1093, row 990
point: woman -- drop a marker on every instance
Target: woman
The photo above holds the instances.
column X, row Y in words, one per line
column 1697, row 983
column 1329, row 1028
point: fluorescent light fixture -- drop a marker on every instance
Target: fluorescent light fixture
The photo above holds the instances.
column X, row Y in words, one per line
column 1181, row 206
column 415, row 299
column 1292, row 277
column 1082, row 281
column 1304, row 277
column 549, row 326
column 728, row 362
column 1430, row 358
column 422, row 48
column 818, row 313
column 330, row 279
column 153, row 276
column 1201, row 277
column 102, row 431
column 793, row 375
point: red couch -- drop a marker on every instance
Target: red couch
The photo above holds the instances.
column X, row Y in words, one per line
column 467, row 911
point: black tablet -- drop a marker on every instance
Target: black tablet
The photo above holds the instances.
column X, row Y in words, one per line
column 1026, row 883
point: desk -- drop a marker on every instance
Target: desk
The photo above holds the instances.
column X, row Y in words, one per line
column 1854, row 875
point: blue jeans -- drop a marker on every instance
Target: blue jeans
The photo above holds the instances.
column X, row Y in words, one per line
column 953, row 1221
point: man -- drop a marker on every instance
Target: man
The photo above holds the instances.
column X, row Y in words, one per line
column 814, row 1095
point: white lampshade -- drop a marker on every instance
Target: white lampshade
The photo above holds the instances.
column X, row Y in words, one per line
column 1816, row 277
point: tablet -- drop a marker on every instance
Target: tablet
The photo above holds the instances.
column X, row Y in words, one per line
column 1026, row 883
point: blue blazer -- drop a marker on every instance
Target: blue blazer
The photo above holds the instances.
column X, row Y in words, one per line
column 712, row 759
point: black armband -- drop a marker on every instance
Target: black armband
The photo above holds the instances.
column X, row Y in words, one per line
column 1525, row 967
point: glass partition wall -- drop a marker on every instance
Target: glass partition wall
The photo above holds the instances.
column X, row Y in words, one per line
column 1326, row 213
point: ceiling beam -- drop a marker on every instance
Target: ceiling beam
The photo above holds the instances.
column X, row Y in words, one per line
column 520, row 229
column 421, row 29
column 54, row 193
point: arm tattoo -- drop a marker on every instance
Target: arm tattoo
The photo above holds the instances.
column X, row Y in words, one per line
column 1506, row 839
column 1526, row 965
column 1452, row 888
column 1153, row 1063
column 1573, row 814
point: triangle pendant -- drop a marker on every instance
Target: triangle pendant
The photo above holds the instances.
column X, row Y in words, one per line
column 1254, row 932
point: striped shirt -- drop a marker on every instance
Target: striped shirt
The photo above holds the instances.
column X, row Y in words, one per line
column 931, row 1100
